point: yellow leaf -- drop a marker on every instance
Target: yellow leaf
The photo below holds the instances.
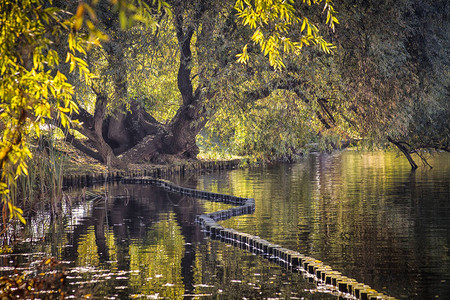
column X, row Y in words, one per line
column 21, row 219
column 79, row 16
column 63, row 109
column 24, row 170
column 303, row 24
column 4, row 152
column 72, row 66
column 10, row 210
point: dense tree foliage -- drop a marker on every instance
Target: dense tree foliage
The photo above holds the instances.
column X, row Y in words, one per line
column 195, row 49
column 231, row 73
column 387, row 82
column 109, row 108
column 34, row 89
column 31, row 86
column 395, row 70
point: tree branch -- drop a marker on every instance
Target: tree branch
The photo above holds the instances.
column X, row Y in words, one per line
column 422, row 158
column 405, row 152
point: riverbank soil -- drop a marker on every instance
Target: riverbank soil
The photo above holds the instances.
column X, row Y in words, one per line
column 78, row 163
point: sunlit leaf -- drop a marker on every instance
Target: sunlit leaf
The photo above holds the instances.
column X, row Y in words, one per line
column 79, row 16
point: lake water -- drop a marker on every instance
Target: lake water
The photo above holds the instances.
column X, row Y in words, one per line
column 364, row 214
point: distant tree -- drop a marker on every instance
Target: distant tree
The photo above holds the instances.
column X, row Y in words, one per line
column 387, row 82
column 394, row 66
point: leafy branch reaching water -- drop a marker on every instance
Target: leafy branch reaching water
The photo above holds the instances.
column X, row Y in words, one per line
column 32, row 89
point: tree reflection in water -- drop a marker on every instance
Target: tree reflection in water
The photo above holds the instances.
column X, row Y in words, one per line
column 365, row 215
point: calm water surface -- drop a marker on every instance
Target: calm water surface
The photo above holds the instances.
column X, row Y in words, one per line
column 366, row 215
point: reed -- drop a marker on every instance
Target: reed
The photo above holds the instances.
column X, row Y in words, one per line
column 44, row 183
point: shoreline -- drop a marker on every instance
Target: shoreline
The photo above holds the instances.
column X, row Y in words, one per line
column 156, row 171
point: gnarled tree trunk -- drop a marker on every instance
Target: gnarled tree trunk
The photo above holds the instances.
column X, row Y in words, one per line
column 179, row 136
column 135, row 136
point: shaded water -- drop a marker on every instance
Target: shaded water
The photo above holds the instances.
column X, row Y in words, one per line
column 365, row 215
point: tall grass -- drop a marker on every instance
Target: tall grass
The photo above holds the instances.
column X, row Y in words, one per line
column 43, row 185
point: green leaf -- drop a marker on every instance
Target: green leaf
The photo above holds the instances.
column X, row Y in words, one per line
column 123, row 20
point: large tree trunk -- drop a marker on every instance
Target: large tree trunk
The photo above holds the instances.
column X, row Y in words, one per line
column 179, row 137
column 190, row 118
column 92, row 129
column 113, row 135
column 136, row 137
column 93, row 125
column 126, row 130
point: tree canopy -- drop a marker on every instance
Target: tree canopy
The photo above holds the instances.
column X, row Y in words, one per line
column 140, row 80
